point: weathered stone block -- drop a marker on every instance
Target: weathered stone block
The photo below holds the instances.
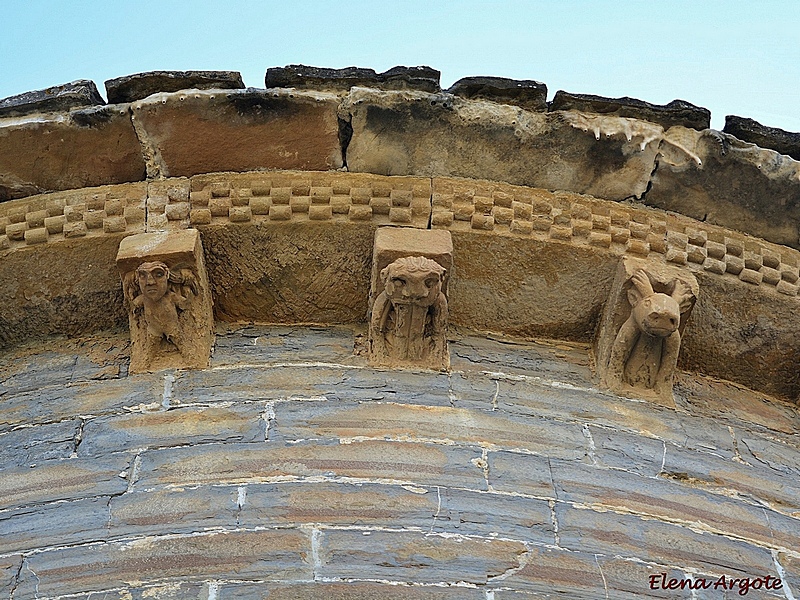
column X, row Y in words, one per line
column 320, row 78
column 241, row 130
column 354, row 590
column 32, row 445
column 613, row 534
column 716, row 178
column 416, row 557
column 528, row 474
column 266, row 555
column 408, row 322
column 297, row 421
column 169, row 298
column 75, row 94
column 172, row 511
column 773, row 138
column 639, row 338
column 677, row 112
column 183, row 426
column 87, row 147
column 528, row 94
column 403, row 133
column 63, row 480
column 140, row 85
column 57, row 524
column 240, row 463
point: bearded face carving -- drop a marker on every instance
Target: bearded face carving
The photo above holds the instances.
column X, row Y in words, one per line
column 409, row 318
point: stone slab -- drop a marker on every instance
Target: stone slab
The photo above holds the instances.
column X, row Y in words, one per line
column 76, row 94
column 57, row 524
column 172, row 511
column 525, row 93
column 86, row 147
column 749, row 130
column 63, row 480
column 242, row 463
column 321, row 78
column 176, row 427
column 677, row 112
column 31, row 445
column 353, row 590
column 263, row 554
column 140, row 85
column 343, row 421
column 613, row 534
column 416, row 557
column 242, row 130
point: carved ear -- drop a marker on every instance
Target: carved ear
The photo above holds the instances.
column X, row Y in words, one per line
column 640, row 287
column 682, row 294
column 187, row 280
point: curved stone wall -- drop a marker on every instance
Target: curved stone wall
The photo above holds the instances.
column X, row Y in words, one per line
column 289, row 469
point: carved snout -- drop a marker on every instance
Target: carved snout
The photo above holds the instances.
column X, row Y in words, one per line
column 659, row 315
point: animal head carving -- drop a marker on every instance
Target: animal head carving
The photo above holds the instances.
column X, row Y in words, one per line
column 413, row 280
column 658, row 314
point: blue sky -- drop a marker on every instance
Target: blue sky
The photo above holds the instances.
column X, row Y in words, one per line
column 732, row 57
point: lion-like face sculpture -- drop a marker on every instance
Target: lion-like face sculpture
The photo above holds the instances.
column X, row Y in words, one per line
column 153, row 280
column 657, row 314
column 413, row 280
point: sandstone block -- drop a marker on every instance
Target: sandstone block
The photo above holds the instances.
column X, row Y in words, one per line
column 32, row 445
column 716, row 178
column 353, row 590
column 136, row 87
column 169, row 300
column 241, row 130
column 677, row 112
column 404, row 133
column 86, row 147
column 77, row 94
column 511, row 472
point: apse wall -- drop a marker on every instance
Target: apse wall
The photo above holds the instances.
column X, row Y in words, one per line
column 290, row 468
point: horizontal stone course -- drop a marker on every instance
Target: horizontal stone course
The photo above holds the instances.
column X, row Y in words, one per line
column 241, row 463
column 276, row 554
column 415, row 556
column 180, row 426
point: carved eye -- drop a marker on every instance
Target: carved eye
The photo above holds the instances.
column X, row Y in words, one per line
column 648, row 302
column 398, row 281
column 430, row 282
column 158, row 273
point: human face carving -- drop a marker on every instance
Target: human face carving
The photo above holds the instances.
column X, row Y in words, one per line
column 153, row 280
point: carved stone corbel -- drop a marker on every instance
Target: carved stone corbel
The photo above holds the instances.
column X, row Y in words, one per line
column 166, row 291
column 409, row 314
column 636, row 349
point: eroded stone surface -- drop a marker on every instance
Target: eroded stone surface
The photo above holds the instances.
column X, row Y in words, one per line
column 752, row 131
column 64, row 97
column 240, row 130
column 321, row 78
column 528, row 94
column 169, row 301
column 677, row 112
column 715, row 178
column 413, row 133
column 140, row 85
column 85, row 147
